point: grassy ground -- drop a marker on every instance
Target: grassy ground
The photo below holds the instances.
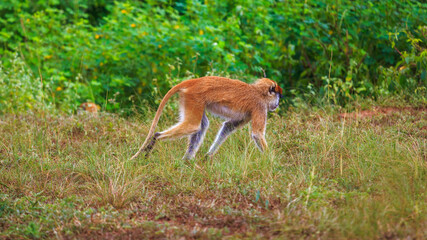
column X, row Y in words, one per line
column 323, row 177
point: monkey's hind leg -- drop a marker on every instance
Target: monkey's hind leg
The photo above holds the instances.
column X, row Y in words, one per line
column 150, row 146
column 227, row 128
column 196, row 139
column 194, row 123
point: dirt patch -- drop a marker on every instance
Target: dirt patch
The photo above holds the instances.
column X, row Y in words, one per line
column 162, row 229
column 188, row 217
column 378, row 111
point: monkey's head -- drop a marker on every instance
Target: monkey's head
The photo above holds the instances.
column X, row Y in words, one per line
column 272, row 91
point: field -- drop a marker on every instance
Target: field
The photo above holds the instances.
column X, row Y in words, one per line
column 347, row 155
column 326, row 175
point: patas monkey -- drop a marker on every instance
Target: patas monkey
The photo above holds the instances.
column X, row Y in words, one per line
column 234, row 100
column 90, row 107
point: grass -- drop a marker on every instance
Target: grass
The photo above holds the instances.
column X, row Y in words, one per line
column 323, row 177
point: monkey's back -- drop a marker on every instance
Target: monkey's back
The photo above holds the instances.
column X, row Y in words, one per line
column 217, row 92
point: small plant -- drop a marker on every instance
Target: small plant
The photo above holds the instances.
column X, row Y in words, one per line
column 33, row 230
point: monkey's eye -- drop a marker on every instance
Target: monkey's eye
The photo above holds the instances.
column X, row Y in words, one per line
column 271, row 90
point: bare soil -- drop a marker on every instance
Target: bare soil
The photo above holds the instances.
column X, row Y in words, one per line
column 377, row 111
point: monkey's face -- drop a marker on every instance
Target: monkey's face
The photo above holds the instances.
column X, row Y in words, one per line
column 274, row 95
column 274, row 103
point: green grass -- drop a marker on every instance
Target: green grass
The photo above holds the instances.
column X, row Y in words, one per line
column 322, row 177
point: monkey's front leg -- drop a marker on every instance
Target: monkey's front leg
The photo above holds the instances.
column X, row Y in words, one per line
column 260, row 142
column 259, row 121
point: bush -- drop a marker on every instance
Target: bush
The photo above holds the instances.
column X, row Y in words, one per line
column 19, row 89
column 118, row 53
column 409, row 75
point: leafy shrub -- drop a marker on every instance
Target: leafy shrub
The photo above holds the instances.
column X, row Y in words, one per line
column 118, row 53
column 409, row 75
column 19, row 89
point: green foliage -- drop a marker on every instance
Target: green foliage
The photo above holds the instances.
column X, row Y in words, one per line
column 19, row 90
column 410, row 73
column 116, row 53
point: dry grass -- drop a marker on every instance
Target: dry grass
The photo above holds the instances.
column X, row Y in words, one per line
column 323, row 177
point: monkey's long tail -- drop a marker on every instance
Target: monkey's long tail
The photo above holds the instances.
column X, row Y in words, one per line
column 169, row 94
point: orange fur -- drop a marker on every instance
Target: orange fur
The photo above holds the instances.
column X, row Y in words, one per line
column 90, row 107
column 234, row 100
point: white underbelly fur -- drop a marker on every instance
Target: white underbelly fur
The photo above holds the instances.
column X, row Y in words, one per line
column 224, row 112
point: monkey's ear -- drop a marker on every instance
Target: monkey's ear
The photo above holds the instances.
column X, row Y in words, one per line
column 278, row 89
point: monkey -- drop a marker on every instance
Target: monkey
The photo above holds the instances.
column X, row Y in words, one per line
column 90, row 107
column 233, row 100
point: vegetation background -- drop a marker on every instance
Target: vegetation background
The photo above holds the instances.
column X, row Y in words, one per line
column 327, row 174
column 120, row 53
